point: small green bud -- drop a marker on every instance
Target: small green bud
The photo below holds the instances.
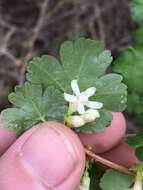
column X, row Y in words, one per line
column 76, row 121
column 85, row 184
column 90, row 115
column 72, row 108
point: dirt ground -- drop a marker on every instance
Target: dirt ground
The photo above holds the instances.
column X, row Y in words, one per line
column 35, row 27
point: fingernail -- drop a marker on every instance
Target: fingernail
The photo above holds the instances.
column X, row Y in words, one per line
column 49, row 155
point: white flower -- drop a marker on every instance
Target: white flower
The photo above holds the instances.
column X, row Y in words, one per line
column 79, row 100
column 76, row 121
column 90, row 115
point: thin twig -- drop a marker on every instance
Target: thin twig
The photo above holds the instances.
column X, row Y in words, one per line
column 131, row 135
column 108, row 163
column 36, row 31
column 10, row 74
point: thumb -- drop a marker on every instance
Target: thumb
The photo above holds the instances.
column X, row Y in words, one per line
column 7, row 137
column 48, row 156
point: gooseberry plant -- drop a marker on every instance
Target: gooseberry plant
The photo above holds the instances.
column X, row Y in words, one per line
column 130, row 65
column 77, row 91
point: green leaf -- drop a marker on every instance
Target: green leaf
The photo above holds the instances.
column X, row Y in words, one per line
column 79, row 60
column 85, row 60
column 139, row 35
column 33, row 105
column 137, row 10
column 46, row 70
column 95, row 174
column 113, row 179
column 111, row 92
column 139, row 153
column 135, row 103
column 135, row 141
column 99, row 124
column 130, row 66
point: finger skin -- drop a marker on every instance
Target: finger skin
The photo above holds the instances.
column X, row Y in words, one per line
column 101, row 142
column 47, row 157
column 122, row 154
column 7, row 137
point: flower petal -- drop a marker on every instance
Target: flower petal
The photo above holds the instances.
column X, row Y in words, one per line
column 70, row 98
column 80, row 108
column 94, row 105
column 82, row 97
column 75, row 87
column 89, row 92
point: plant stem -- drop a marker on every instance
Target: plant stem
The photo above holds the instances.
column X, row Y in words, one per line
column 108, row 163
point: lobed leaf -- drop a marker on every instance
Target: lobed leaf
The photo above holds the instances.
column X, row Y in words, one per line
column 130, row 66
column 113, row 179
column 79, row 60
column 33, row 105
column 111, row 92
column 46, row 70
column 85, row 60
column 137, row 142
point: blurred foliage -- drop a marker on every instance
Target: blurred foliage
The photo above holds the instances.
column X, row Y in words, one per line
column 95, row 175
column 137, row 11
column 139, row 35
column 137, row 14
column 130, row 65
